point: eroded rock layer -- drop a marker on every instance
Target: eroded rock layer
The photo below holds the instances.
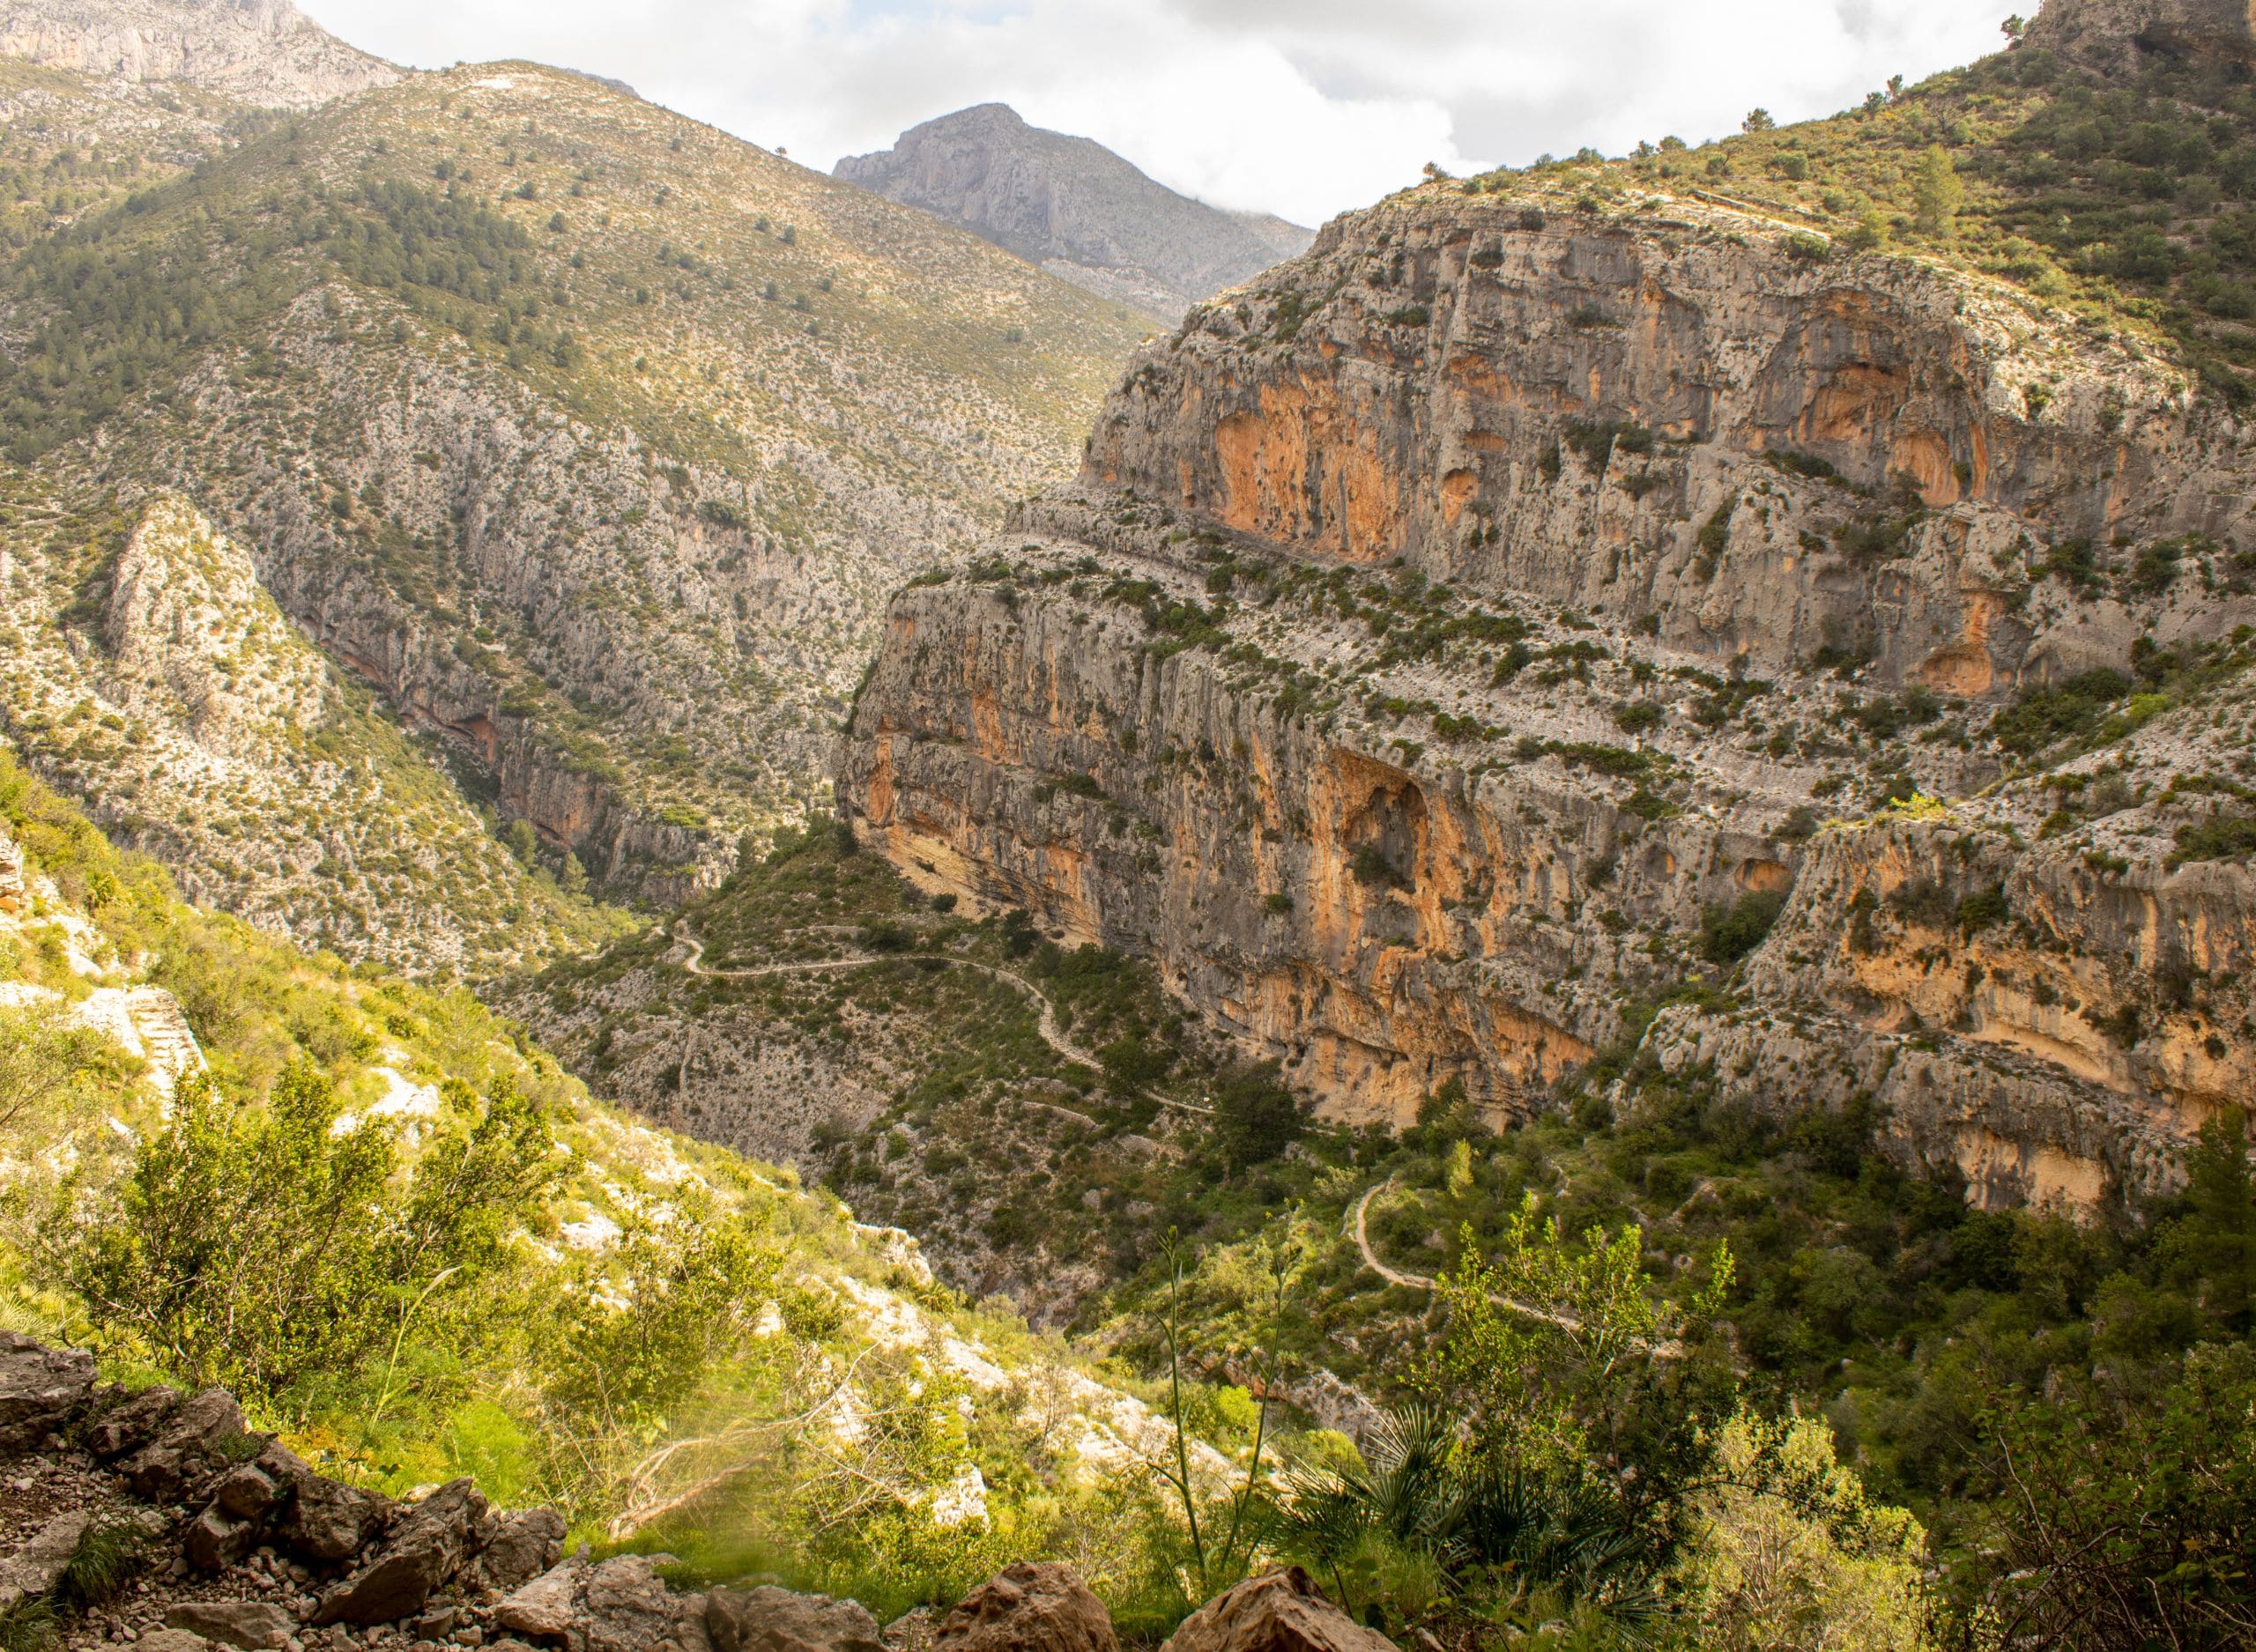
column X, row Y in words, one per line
column 1505, row 639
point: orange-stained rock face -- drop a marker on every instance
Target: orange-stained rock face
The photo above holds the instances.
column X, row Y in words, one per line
column 1382, row 924
column 1391, row 855
column 1298, row 466
column 1322, row 412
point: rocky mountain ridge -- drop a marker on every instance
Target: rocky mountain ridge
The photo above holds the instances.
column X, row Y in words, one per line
column 654, row 373
column 202, row 727
column 1075, row 208
column 1363, row 641
column 265, row 53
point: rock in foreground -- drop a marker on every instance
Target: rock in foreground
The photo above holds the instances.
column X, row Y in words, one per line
column 1284, row 1612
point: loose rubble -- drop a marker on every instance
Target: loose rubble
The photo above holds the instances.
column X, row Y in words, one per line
column 231, row 1539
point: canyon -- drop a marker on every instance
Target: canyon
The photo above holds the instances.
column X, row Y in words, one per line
column 1449, row 627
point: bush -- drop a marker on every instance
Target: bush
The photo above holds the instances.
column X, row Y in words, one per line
column 261, row 1245
column 1255, row 1117
column 2225, row 838
column 1728, row 934
column 1374, row 870
column 2046, row 716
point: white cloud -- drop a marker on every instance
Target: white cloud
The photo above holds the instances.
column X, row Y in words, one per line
column 1301, row 107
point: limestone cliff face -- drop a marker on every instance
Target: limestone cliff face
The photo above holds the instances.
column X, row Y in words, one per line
column 260, row 51
column 1380, row 923
column 1454, row 629
column 1447, row 381
column 2116, row 31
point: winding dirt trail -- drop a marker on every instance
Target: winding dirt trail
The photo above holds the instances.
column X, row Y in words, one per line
column 1421, row 1282
column 1046, row 1024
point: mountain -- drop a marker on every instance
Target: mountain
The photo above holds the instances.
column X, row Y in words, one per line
column 1589, row 896
column 202, row 727
column 590, row 438
column 1075, row 208
column 260, row 52
column 1469, row 643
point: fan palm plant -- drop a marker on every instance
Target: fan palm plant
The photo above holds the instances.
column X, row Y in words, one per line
column 1422, row 1518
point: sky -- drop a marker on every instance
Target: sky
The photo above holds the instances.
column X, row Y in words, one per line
column 1304, row 107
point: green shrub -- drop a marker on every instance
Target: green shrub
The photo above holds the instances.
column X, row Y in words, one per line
column 2224, row 838
column 1728, row 934
column 2044, row 717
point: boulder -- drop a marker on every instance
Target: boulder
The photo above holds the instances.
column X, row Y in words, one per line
column 32, row 1571
column 192, row 1438
column 625, row 1606
column 216, row 1539
column 544, row 1608
column 424, row 1548
column 321, row 1520
column 1280, row 1611
column 41, row 1388
column 771, row 1620
column 513, row 1549
column 254, row 1625
column 172, row 1641
column 248, row 1494
column 132, row 1421
column 1030, row 1607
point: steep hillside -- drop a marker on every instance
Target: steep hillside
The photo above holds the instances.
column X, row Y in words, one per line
column 261, row 51
column 73, row 147
column 1075, row 208
column 447, row 1258
column 1023, row 1107
column 148, row 671
column 1539, row 623
column 2106, row 164
column 589, row 437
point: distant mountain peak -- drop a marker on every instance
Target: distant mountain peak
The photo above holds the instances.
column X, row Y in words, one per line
column 260, row 51
column 1074, row 207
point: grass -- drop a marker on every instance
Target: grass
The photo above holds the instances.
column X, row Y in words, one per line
column 109, row 1553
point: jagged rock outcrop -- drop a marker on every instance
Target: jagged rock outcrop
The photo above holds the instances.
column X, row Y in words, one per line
column 1034, row 1606
column 1072, row 206
column 262, row 52
column 271, row 1554
column 1443, row 645
column 192, row 636
column 1278, row 1612
column 2114, row 33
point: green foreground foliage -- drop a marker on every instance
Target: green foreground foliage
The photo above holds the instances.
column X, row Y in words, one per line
column 1684, row 1374
column 1770, row 1389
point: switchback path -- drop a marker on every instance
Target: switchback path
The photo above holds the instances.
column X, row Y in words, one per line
column 1052, row 1034
column 1420, row 1282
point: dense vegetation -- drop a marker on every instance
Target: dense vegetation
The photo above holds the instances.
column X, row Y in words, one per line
column 1814, row 1276
column 2063, row 1404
